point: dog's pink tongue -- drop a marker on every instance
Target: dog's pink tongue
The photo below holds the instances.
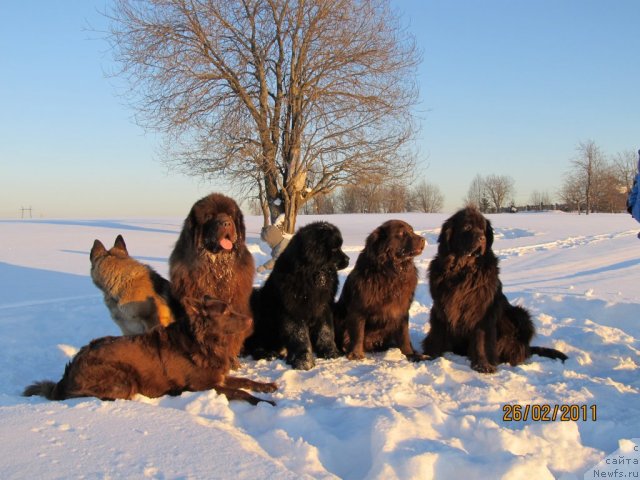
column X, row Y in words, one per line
column 226, row 244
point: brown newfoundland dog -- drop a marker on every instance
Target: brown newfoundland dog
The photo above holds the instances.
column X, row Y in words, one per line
column 294, row 308
column 211, row 257
column 470, row 314
column 372, row 313
column 188, row 355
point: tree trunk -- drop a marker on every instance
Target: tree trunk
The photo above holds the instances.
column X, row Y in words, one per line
column 272, row 192
column 588, row 205
column 290, row 214
column 264, row 205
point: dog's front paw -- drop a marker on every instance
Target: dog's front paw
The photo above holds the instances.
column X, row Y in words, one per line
column 331, row 353
column 263, row 354
column 267, row 387
column 302, row 362
column 484, row 367
column 355, row 355
column 417, row 357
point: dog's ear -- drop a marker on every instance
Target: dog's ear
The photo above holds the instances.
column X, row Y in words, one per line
column 201, row 348
column 187, row 243
column 211, row 321
column 196, row 310
column 192, row 230
column 119, row 244
column 240, row 228
column 444, row 239
column 213, row 306
column 375, row 245
column 97, row 250
column 190, row 304
column 488, row 233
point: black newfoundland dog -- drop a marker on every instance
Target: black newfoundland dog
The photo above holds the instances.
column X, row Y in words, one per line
column 185, row 356
column 373, row 311
column 293, row 309
column 470, row 314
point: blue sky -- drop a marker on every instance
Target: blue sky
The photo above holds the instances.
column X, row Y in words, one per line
column 507, row 88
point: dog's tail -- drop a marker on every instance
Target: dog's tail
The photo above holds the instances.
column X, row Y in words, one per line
column 549, row 353
column 45, row 389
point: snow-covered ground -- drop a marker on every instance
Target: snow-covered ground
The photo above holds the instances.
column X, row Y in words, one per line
column 380, row 418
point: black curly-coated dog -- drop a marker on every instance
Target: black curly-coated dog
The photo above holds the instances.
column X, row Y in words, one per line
column 470, row 314
column 294, row 308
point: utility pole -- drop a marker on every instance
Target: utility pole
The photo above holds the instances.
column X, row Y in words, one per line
column 23, row 210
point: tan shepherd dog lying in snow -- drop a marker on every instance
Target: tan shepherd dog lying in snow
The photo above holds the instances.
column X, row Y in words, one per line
column 136, row 295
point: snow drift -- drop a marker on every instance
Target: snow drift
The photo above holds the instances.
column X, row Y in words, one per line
column 383, row 417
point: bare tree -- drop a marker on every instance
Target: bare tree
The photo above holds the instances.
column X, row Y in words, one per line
column 610, row 192
column 301, row 96
column 426, row 197
column 588, row 166
column 476, row 195
column 596, row 184
column 624, row 165
column 394, row 198
column 347, row 200
column 539, row 199
column 321, row 205
column 572, row 192
column 499, row 189
column 364, row 198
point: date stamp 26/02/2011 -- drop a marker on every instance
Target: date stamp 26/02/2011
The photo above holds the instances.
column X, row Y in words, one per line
column 546, row 412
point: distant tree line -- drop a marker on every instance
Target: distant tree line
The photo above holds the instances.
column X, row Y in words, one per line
column 391, row 196
column 388, row 197
column 491, row 194
column 596, row 182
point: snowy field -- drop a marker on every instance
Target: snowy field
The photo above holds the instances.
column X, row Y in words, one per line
column 381, row 418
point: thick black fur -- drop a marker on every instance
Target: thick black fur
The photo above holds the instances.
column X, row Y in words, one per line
column 294, row 308
column 470, row 314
